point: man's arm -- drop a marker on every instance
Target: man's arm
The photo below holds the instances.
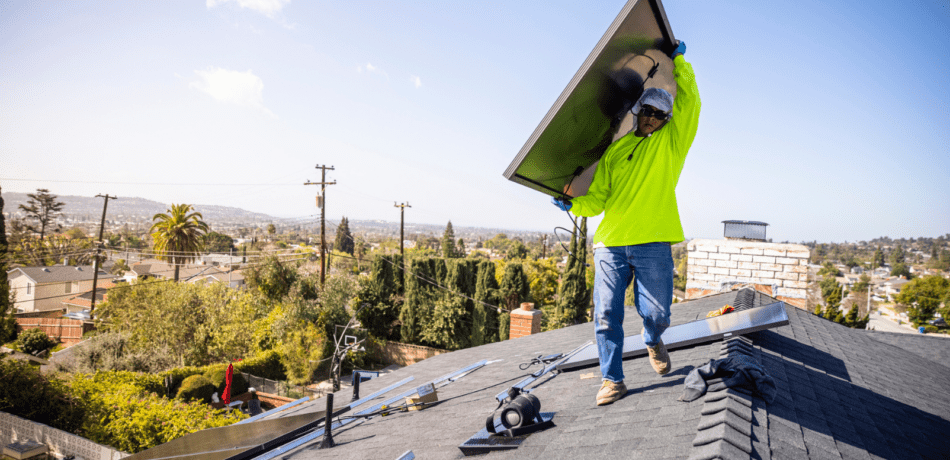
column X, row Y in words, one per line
column 686, row 107
column 593, row 202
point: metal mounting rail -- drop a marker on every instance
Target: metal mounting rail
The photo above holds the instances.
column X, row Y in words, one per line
column 550, row 367
column 316, row 434
column 384, row 390
column 274, row 410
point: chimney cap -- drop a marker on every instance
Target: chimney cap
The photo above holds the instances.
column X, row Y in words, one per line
column 744, row 230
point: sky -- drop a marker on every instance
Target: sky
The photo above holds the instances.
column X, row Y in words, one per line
column 829, row 120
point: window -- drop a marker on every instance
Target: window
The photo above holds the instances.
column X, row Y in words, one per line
column 29, row 288
column 69, row 287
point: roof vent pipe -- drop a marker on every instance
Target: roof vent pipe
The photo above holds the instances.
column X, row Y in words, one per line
column 744, row 230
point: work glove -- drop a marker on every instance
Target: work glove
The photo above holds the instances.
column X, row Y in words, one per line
column 680, row 49
column 563, row 203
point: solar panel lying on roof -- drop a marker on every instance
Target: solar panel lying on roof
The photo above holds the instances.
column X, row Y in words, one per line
column 234, row 442
column 593, row 110
column 695, row 332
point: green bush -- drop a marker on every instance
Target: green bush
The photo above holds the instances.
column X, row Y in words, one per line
column 218, row 377
column 124, row 413
column 33, row 340
column 196, row 387
column 266, row 365
column 27, row 393
column 931, row 329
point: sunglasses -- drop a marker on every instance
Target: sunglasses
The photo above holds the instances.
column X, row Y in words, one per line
column 655, row 113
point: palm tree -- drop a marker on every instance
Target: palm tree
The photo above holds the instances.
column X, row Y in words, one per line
column 178, row 235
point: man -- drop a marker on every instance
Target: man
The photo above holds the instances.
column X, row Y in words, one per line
column 634, row 186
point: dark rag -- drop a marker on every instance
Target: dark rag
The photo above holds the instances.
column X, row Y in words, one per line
column 739, row 371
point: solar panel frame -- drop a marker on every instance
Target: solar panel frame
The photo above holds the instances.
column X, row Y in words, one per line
column 692, row 333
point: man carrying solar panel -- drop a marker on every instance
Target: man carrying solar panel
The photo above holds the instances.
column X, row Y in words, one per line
column 634, row 186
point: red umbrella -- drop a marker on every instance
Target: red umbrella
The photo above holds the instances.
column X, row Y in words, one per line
column 227, row 384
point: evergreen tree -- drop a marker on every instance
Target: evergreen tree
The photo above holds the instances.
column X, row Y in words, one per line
column 485, row 318
column 378, row 293
column 417, row 306
column 460, row 248
column 898, row 256
column 573, row 295
column 449, row 327
column 344, row 239
column 43, row 208
column 448, row 242
column 515, row 288
column 7, row 310
column 878, row 258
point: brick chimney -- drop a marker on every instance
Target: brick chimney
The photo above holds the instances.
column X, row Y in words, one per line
column 779, row 270
column 524, row 321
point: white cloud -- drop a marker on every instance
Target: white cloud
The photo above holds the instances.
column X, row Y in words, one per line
column 415, row 80
column 232, row 87
column 370, row 68
column 268, row 8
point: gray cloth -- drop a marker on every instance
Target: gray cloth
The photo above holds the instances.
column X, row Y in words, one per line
column 739, row 371
column 254, row 407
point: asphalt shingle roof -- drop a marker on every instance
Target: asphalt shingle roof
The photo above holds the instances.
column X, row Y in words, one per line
column 841, row 393
column 61, row 273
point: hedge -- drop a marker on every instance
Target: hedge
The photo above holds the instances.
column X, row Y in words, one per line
column 196, row 387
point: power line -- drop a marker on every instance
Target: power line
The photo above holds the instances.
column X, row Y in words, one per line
column 141, row 183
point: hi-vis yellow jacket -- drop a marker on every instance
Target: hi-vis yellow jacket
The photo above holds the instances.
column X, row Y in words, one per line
column 638, row 196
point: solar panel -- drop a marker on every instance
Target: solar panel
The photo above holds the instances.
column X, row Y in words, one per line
column 233, row 442
column 274, row 410
column 695, row 332
column 594, row 108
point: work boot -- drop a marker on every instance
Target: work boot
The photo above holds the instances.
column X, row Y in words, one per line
column 610, row 392
column 659, row 358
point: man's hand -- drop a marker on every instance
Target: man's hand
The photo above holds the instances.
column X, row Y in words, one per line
column 563, row 203
column 680, row 49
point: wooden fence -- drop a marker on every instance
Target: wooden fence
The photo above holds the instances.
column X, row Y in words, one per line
column 67, row 331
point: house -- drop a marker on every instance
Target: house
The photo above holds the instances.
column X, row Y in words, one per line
column 45, row 288
column 840, row 393
column 189, row 273
column 76, row 305
column 892, row 287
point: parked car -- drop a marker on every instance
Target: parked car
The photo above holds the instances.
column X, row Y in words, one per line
column 939, row 322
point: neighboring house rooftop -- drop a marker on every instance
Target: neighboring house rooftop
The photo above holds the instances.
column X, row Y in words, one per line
column 85, row 299
column 152, row 267
column 841, row 393
column 60, row 273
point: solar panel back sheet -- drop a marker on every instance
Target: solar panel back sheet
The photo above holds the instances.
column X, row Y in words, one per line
column 594, row 109
column 695, row 332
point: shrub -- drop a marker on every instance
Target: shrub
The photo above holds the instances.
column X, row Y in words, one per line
column 113, row 351
column 931, row 329
column 34, row 340
column 27, row 393
column 218, row 377
column 196, row 387
column 266, row 365
column 125, row 414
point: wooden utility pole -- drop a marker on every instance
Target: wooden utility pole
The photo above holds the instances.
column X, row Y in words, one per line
column 95, row 266
column 322, row 203
column 402, row 223
column 544, row 246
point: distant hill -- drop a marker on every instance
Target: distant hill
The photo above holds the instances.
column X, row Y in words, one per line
column 133, row 209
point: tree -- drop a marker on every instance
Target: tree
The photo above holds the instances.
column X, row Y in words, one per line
column 516, row 250
column 460, row 248
column 922, row 296
column 7, row 299
column 829, row 269
column 271, row 229
column 898, row 256
column 573, row 296
column 448, row 242
column 344, row 239
column 217, row 242
column 449, row 327
column 419, row 299
column 178, row 235
column 901, row 270
column 28, row 393
column 378, row 293
column 43, row 208
column 878, row 258
column 485, row 317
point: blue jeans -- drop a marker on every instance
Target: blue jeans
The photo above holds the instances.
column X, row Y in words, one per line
column 650, row 266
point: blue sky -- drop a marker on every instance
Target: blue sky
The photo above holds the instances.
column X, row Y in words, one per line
column 830, row 120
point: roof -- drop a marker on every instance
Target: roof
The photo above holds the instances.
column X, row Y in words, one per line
column 842, row 393
column 85, row 299
column 60, row 273
column 153, row 267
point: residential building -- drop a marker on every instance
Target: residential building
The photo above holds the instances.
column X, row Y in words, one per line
column 45, row 288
